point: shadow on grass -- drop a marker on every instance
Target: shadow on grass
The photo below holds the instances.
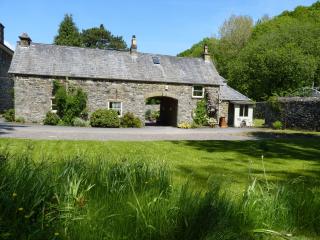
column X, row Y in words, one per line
column 277, row 152
column 283, row 135
column 299, row 149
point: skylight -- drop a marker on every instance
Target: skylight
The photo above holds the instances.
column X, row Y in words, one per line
column 156, row 60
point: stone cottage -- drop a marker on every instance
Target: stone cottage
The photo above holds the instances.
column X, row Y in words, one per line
column 120, row 80
column 6, row 84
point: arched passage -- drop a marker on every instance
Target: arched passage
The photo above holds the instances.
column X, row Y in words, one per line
column 168, row 110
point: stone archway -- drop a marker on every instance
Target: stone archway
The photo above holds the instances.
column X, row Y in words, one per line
column 168, row 112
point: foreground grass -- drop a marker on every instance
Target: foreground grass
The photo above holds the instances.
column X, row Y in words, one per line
column 229, row 161
column 134, row 190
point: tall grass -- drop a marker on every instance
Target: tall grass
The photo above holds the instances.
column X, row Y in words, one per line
column 82, row 197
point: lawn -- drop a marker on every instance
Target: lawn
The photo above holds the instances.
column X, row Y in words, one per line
column 234, row 162
column 160, row 190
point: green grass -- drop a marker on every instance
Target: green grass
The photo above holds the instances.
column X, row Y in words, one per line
column 160, row 190
column 230, row 161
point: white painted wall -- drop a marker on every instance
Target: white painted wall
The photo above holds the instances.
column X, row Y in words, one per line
column 238, row 120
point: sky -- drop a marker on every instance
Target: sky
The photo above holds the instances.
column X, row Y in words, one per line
column 163, row 26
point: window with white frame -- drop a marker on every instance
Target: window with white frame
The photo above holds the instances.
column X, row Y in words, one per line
column 54, row 108
column 117, row 106
column 244, row 110
column 198, row 91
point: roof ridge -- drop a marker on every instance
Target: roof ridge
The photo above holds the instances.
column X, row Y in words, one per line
column 115, row 50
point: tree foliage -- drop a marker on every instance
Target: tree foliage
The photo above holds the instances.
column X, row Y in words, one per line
column 274, row 57
column 96, row 37
column 68, row 33
column 99, row 37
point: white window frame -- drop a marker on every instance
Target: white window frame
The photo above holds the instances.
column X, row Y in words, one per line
column 244, row 110
column 202, row 95
column 116, row 109
column 51, row 101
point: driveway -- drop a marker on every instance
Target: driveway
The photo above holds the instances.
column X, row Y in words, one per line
column 26, row 131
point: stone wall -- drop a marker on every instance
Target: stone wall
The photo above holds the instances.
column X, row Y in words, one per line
column 295, row 112
column 224, row 109
column 259, row 110
column 33, row 96
column 6, row 84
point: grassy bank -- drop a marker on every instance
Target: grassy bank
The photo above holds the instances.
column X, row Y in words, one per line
column 160, row 190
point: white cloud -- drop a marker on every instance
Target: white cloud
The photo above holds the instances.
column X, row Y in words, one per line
column 9, row 45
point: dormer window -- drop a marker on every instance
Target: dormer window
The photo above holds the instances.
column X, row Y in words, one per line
column 197, row 91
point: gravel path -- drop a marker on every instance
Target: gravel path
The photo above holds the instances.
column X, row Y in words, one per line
column 10, row 130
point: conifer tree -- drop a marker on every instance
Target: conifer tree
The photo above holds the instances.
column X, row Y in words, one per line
column 68, row 33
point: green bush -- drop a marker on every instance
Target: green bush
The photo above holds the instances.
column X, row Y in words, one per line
column 20, row 120
column 79, row 122
column 9, row 115
column 277, row 125
column 105, row 118
column 130, row 121
column 51, row 119
column 152, row 115
column 200, row 116
column 71, row 103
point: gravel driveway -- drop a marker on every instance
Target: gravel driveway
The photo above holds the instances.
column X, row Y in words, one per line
column 10, row 130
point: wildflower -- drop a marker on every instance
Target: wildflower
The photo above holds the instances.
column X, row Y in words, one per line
column 14, row 195
column 20, row 209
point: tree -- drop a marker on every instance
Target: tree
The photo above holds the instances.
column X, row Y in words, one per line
column 99, row 37
column 68, row 33
column 234, row 35
column 281, row 56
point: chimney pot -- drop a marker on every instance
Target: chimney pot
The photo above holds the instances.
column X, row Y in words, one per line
column 133, row 48
column 206, row 55
column 25, row 40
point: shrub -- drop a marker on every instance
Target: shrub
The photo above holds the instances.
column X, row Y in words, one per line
column 130, row 121
column 147, row 115
column 105, row 118
column 212, row 122
column 184, row 125
column 155, row 115
column 200, row 116
column 71, row 103
column 152, row 115
column 277, row 125
column 20, row 120
column 78, row 122
column 9, row 115
column 51, row 119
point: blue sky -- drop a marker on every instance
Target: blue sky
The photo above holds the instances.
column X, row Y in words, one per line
column 163, row 26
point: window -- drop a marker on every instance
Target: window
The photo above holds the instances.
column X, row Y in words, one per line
column 198, row 91
column 156, row 60
column 117, row 106
column 244, row 110
column 54, row 108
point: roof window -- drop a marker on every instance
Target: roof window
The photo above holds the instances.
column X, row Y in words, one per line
column 156, row 60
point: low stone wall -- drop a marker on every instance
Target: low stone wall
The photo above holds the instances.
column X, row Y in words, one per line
column 259, row 110
column 295, row 112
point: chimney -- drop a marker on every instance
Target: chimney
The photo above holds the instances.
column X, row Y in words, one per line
column 1, row 33
column 133, row 48
column 25, row 40
column 206, row 55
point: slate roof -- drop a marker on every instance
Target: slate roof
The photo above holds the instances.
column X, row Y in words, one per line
column 62, row 61
column 230, row 94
